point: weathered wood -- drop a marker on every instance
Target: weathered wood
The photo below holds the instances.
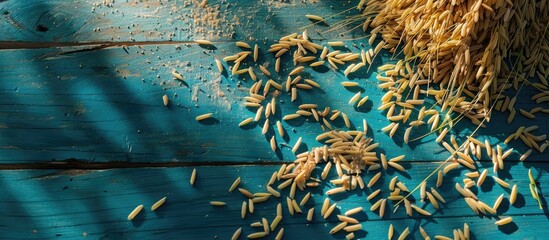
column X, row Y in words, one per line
column 44, row 204
column 151, row 20
column 106, row 104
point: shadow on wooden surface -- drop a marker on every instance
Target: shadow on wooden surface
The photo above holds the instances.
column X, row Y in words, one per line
column 44, row 204
column 98, row 104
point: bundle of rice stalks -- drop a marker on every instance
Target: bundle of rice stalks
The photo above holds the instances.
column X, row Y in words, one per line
column 467, row 54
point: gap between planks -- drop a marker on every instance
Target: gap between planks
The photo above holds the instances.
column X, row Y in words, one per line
column 15, row 45
column 86, row 165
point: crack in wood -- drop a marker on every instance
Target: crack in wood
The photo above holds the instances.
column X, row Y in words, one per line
column 13, row 45
column 85, row 165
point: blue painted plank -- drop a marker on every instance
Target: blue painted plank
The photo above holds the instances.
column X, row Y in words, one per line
column 105, row 105
column 39, row 204
column 145, row 21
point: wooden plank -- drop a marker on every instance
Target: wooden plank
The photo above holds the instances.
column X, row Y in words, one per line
column 43, row 204
column 152, row 21
column 105, row 104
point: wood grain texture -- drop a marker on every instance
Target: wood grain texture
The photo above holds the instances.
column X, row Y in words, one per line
column 151, row 21
column 42, row 204
column 84, row 80
column 106, row 104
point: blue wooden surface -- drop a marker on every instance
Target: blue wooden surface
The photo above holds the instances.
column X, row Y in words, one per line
column 41, row 204
column 105, row 105
column 167, row 20
column 59, row 101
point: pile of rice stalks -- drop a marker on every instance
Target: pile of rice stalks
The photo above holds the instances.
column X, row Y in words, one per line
column 472, row 56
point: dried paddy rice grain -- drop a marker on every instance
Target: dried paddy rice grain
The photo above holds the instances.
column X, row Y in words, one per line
column 235, row 184
column 279, row 234
column 273, row 191
column 265, row 224
column 314, row 17
column 362, row 101
column 382, row 208
column 134, row 213
column 204, row 116
column 193, row 177
column 397, row 166
column 353, row 228
column 264, row 71
column 353, row 211
column 243, row 45
column 305, row 199
column 243, row 210
column 296, row 145
column 432, row 200
column 317, row 63
column 408, row 207
column 437, row 195
column 440, row 237
column 501, row 182
column 355, row 98
column 203, row 42
column 236, row 234
column 260, row 199
column 424, row 233
column 504, row 221
column 347, row 219
column 374, row 179
column 290, row 206
column 336, row 44
column 349, row 84
column 279, row 209
column 360, row 181
column 450, row 167
column 275, row 222
column 285, row 184
column 157, row 204
column 251, row 206
column 178, row 76
column 325, row 206
column 273, row 143
column 217, row 203
column 350, row 236
column 439, row 178
column 525, row 155
column 513, row 195
column 256, row 52
column 376, row 205
column 310, row 214
column 482, row 177
column 246, row 193
column 165, row 100
column 338, row 227
column 336, row 190
column 296, row 70
column 373, row 195
column 404, row 234
column 296, row 207
column 246, row 122
column 257, row 235
column 280, row 128
column 329, row 211
column 265, row 127
column 498, row 202
column 252, row 74
column 420, row 210
column 292, row 190
column 219, row 65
